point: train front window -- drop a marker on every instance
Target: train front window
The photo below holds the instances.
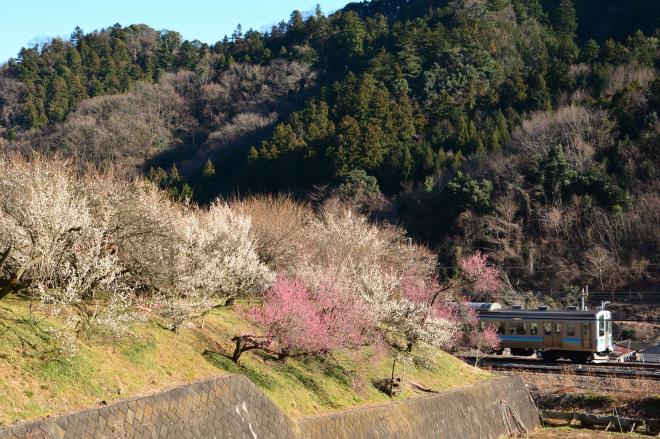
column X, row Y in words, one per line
column 601, row 326
column 547, row 328
column 517, row 328
column 533, row 328
column 570, row 330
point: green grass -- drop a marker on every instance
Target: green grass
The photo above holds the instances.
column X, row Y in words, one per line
column 140, row 353
column 37, row 381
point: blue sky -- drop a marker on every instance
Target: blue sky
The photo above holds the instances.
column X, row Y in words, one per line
column 28, row 21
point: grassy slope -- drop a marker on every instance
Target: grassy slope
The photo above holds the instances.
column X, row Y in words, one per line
column 34, row 383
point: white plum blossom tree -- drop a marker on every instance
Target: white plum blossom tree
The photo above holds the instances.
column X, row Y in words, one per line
column 90, row 245
column 56, row 247
column 210, row 258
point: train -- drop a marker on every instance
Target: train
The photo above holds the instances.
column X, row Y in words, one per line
column 579, row 335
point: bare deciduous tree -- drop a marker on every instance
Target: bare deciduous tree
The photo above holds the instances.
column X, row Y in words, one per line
column 125, row 128
column 579, row 130
column 599, row 264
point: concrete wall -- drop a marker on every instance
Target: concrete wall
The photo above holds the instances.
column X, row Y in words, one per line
column 225, row 407
column 481, row 411
column 232, row 407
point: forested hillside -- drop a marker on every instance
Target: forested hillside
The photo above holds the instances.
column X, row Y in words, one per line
column 525, row 128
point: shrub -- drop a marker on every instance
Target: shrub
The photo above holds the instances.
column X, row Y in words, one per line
column 278, row 226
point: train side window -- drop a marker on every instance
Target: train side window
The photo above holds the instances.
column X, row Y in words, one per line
column 517, row 328
column 570, row 329
column 501, row 329
column 547, row 328
column 533, row 328
column 557, row 328
column 585, row 329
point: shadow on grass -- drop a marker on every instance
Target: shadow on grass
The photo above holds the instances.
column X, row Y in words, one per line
column 338, row 373
column 312, row 385
column 222, row 361
column 290, row 374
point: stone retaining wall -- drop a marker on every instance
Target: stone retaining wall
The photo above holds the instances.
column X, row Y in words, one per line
column 486, row 410
column 233, row 407
column 226, row 407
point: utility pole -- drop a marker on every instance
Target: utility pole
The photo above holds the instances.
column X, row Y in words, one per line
column 583, row 295
column 586, row 295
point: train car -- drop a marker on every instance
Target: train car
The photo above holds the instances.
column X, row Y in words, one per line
column 571, row 334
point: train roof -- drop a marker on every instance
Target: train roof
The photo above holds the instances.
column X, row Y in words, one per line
column 542, row 314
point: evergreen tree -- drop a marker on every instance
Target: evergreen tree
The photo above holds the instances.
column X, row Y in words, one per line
column 77, row 36
column 591, row 51
column 173, row 177
column 565, row 18
column 58, row 99
column 208, row 171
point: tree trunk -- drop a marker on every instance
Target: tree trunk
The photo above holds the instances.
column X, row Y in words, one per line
column 392, row 378
column 238, row 350
column 3, row 256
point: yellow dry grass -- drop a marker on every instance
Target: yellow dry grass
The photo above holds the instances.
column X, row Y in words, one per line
column 36, row 381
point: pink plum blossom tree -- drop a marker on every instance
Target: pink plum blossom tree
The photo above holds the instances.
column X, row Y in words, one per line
column 297, row 321
column 484, row 341
column 477, row 276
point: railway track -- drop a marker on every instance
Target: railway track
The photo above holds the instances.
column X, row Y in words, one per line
column 608, row 369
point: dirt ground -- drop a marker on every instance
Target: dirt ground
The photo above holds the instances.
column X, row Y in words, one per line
column 633, row 398
column 567, row 383
column 644, row 332
column 578, row 433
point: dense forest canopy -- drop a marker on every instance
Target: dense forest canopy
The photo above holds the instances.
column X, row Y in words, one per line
column 526, row 128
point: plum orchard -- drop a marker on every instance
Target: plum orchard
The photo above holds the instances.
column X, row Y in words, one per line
column 354, row 283
column 91, row 246
column 103, row 252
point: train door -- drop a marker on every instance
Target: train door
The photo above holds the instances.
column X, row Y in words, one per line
column 586, row 335
column 547, row 334
column 557, row 334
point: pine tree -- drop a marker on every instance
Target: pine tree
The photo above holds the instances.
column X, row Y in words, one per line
column 208, row 171
column 539, row 96
column 591, row 51
column 502, row 126
column 186, row 192
column 565, row 20
column 237, row 35
column 346, row 154
column 296, row 20
column 58, row 99
column 253, row 155
column 496, row 140
column 174, row 178
column 31, row 115
column 77, row 36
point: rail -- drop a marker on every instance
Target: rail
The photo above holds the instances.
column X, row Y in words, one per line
column 609, row 369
